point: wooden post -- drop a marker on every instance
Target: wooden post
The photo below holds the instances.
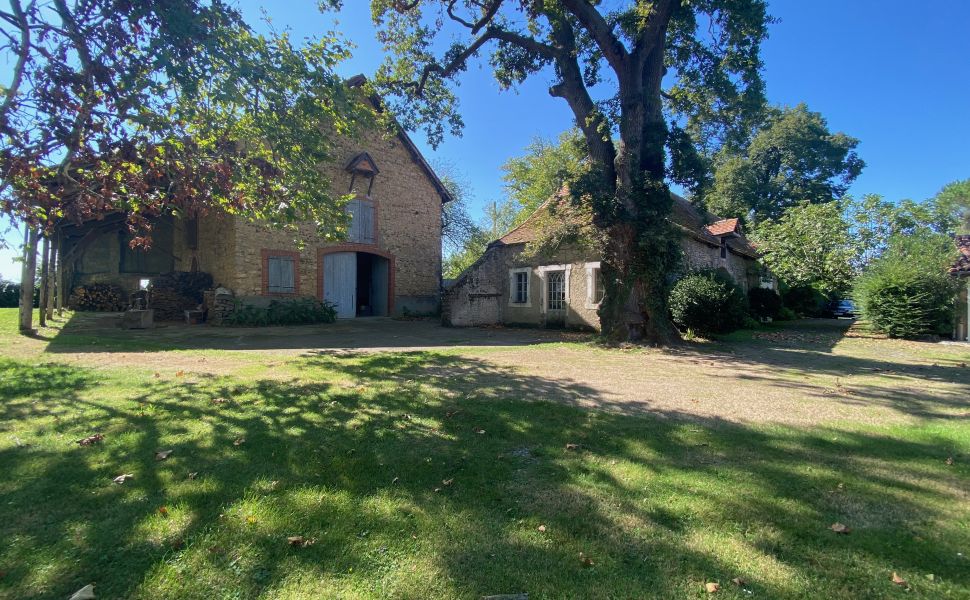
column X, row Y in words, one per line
column 27, row 282
column 45, row 263
column 52, row 278
column 59, row 272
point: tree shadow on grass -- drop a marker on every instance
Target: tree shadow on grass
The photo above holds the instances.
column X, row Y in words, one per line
column 427, row 475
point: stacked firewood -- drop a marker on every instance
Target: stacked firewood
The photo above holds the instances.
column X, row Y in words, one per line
column 170, row 305
column 174, row 293
column 98, row 297
column 219, row 304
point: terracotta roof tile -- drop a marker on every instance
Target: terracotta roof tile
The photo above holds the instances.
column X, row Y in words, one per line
column 683, row 214
column 723, row 227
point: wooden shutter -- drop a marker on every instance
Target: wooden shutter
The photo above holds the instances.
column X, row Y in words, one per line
column 281, row 278
column 353, row 209
column 366, row 211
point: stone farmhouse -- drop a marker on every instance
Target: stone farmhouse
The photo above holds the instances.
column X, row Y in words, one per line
column 510, row 286
column 389, row 263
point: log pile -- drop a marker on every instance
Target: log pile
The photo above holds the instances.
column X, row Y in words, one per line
column 98, row 297
column 219, row 304
column 174, row 293
column 170, row 305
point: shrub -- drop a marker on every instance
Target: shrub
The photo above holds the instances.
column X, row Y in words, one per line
column 707, row 302
column 804, row 300
column 764, row 303
column 299, row 311
column 786, row 314
column 907, row 292
column 10, row 294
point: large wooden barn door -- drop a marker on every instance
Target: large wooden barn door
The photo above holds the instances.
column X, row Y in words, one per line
column 340, row 282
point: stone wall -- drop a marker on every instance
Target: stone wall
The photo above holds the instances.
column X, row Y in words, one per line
column 408, row 209
column 481, row 295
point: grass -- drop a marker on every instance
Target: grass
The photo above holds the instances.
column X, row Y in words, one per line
column 415, row 485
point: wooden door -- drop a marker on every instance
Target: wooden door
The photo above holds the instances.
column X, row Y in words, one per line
column 340, row 282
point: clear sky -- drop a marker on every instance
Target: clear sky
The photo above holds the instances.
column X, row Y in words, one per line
column 892, row 75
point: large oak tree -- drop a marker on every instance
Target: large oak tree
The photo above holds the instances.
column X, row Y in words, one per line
column 680, row 74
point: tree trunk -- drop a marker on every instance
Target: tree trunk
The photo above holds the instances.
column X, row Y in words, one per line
column 45, row 263
column 27, row 282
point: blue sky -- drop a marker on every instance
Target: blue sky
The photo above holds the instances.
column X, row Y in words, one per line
column 897, row 79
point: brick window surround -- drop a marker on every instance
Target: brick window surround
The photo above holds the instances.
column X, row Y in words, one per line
column 366, row 249
column 265, row 255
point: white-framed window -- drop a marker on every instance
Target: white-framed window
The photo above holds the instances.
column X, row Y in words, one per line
column 555, row 286
column 281, row 275
column 519, row 287
column 595, row 290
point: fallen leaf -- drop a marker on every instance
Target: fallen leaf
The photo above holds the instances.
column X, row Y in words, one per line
column 251, row 519
column 163, row 511
column 239, row 441
column 446, row 481
column 930, row 576
column 949, row 460
column 85, row 593
column 899, row 580
column 437, row 490
column 585, row 561
column 712, row 587
column 162, row 454
column 407, row 417
column 542, row 528
column 193, row 475
column 180, row 373
column 219, row 401
column 738, row 582
column 480, row 431
column 572, row 446
column 157, row 374
column 91, row 439
column 395, row 480
column 299, row 541
column 839, row 528
column 123, row 478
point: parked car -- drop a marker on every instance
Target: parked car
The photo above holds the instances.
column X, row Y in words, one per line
column 843, row 308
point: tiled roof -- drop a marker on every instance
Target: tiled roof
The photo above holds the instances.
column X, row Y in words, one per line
column 962, row 264
column 683, row 214
column 723, row 227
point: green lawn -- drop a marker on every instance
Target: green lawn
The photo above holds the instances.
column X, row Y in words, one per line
column 411, row 486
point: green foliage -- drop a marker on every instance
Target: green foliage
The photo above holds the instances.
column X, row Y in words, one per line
column 953, row 201
column 907, row 291
column 169, row 106
column 10, row 294
column 875, row 221
column 541, row 172
column 804, row 300
column 786, row 314
column 809, row 245
column 793, row 158
column 297, row 311
column 764, row 302
column 708, row 302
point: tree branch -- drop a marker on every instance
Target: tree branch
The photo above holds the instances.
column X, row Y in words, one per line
column 487, row 15
column 491, row 33
column 612, row 48
column 22, row 56
column 651, row 34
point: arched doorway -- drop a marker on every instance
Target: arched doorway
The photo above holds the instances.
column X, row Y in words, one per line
column 358, row 281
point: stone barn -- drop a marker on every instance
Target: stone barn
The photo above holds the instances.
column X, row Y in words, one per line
column 389, row 263
column 508, row 285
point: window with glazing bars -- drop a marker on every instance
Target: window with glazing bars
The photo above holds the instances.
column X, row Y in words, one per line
column 520, row 292
column 556, row 290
